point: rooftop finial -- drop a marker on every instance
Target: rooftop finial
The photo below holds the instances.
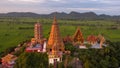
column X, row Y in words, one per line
column 55, row 20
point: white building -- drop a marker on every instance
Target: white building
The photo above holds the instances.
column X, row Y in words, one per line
column 55, row 55
column 53, row 59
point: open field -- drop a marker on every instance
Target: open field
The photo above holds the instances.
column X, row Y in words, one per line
column 15, row 30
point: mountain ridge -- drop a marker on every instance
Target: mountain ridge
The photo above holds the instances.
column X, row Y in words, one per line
column 62, row 15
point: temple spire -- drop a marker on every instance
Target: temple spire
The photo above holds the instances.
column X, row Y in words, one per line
column 38, row 31
column 55, row 20
column 55, row 37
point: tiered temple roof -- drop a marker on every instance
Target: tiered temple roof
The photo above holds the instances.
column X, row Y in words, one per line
column 55, row 37
column 78, row 37
column 38, row 35
column 38, row 31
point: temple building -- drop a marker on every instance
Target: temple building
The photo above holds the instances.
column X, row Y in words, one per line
column 38, row 43
column 55, row 46
column 8, row 61
column 96, row 41
column 91, row 39
column 55, row 37
column 78, row 37
column 38, row 36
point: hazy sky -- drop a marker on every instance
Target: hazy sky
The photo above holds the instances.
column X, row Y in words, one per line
column 111, row 7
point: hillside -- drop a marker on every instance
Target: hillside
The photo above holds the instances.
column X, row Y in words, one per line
column 62, row 15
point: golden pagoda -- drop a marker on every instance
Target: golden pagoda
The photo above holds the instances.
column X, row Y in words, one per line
column 38, row 36
column 38, row 31
column 55, row 37
column 78, row 37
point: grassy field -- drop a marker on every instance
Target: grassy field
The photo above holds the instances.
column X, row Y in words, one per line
column 15, row 30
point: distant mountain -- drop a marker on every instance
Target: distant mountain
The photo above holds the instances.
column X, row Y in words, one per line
column 62, row 15
column 19, row 14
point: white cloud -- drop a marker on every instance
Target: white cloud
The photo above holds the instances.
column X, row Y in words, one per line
column 35, row 1
column 109, row 1
column 94, row 0
column 55, row 0
column 48, row 6
column 84, row 9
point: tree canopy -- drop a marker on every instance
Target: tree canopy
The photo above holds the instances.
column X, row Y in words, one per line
column 30, row 60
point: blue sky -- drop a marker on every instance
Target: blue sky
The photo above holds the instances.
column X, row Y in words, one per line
column 111, row 7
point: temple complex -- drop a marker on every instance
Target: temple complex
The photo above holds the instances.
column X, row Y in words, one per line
column 78, row 37
column 54, row 47
column 55, row 37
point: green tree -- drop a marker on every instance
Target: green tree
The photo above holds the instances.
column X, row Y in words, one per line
column 87, row 64
column 22, row 49
column 32, row 60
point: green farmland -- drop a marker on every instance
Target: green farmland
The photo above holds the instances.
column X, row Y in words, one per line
column 16, row 30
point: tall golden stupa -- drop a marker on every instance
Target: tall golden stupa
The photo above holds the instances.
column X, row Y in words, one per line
column 55, row 37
